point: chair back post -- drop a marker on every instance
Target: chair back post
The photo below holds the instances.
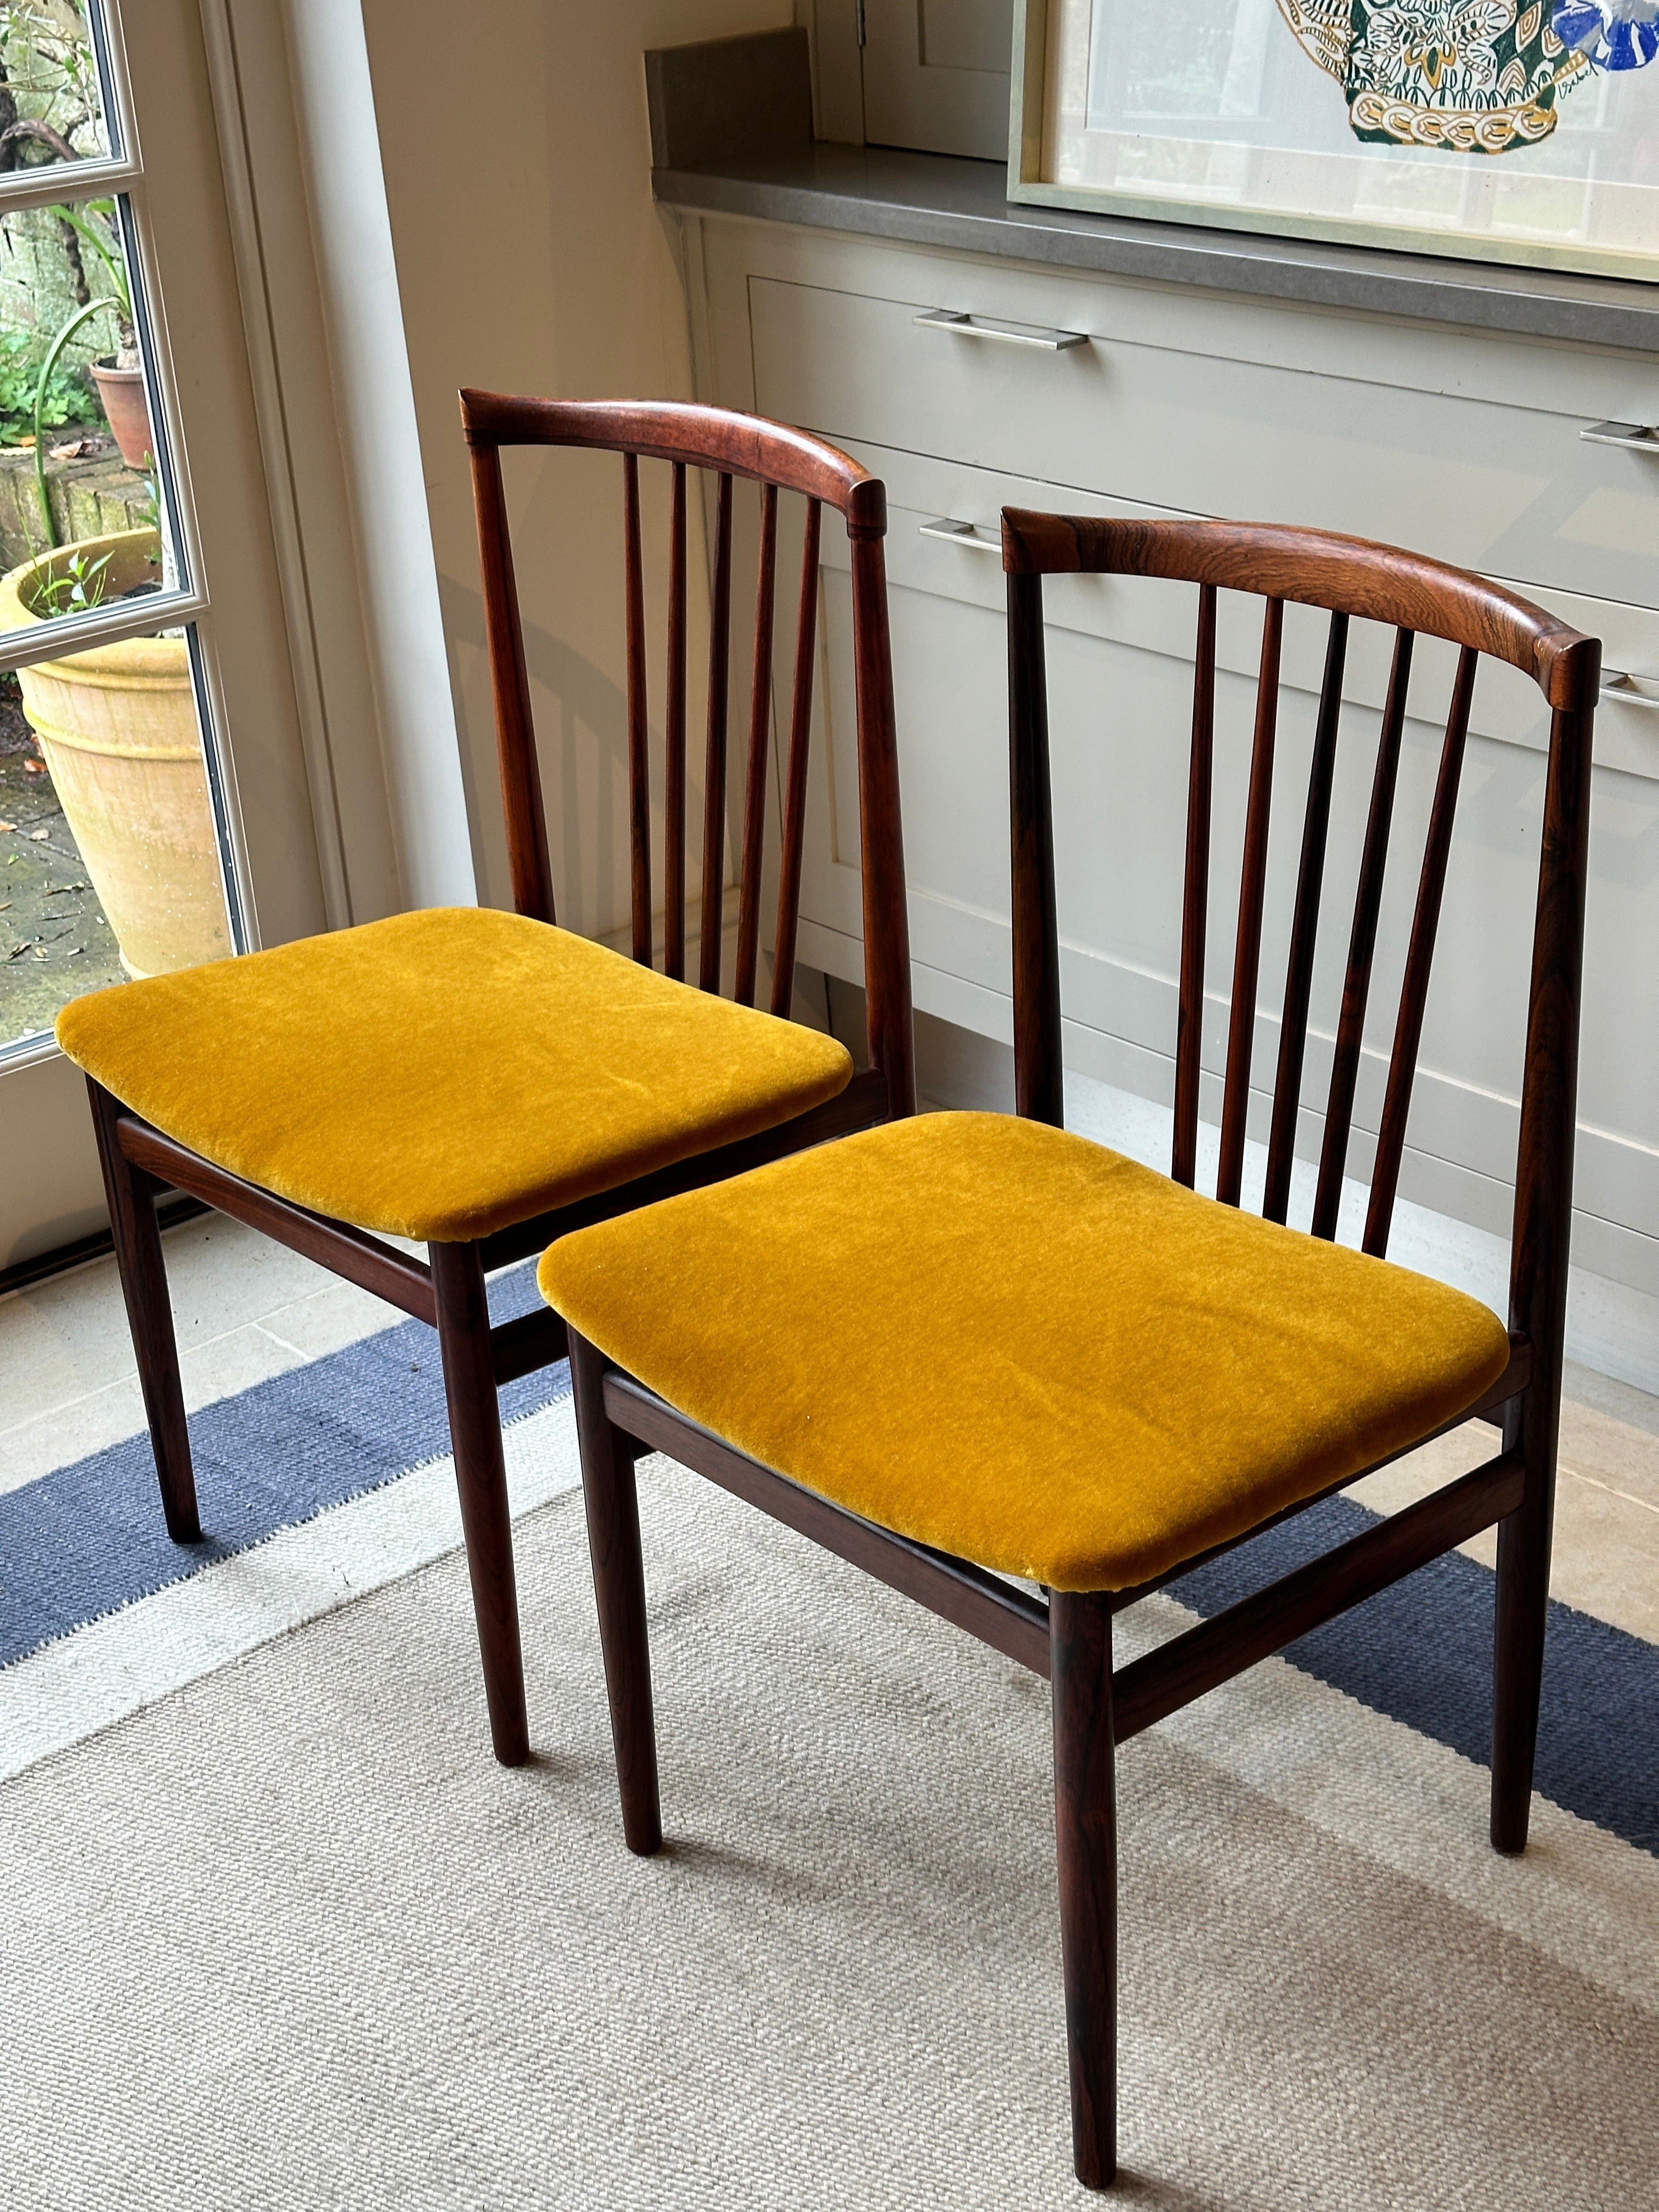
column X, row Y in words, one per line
column 1543, row 1225
column 527, row 853
column 1549, row 1100
column 888, row 1028
column 1039, row 1074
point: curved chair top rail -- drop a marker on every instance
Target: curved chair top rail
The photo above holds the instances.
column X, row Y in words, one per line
column 1317, row 567
column 676, row 430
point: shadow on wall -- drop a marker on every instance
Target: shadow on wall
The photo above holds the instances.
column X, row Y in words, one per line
column 585, row 827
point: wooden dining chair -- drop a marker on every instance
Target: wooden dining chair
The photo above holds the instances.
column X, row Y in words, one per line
column 481, row 1082
column 971, row 1346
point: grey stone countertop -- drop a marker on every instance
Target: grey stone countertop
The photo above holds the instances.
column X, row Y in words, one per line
column 939, row 200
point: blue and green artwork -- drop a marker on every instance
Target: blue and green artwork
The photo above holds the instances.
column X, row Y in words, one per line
column 1471, row 76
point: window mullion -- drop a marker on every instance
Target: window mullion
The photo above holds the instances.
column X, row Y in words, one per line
column 56, row 184
column 66, row 634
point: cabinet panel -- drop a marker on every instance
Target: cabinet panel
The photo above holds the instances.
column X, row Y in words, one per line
column 1457, row 442
column 1588, row 384
column 1120, row 673
column 1511, row 490
column 936, row 74
column 1143, row 612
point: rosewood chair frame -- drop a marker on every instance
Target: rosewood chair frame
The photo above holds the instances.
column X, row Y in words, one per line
column 1068, row 1637
column 141, row 1161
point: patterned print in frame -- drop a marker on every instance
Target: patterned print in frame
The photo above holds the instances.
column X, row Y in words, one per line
column 1256, row 115
column 1471, row 76
column 1616, row 35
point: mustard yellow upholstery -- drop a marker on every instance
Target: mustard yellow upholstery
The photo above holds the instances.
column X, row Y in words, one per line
column 442, row 1074
column 1010, row 1343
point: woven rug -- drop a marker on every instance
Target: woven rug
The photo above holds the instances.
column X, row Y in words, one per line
column 275, row 1931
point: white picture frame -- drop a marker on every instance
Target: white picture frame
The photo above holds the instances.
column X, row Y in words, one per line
column 1360, row 123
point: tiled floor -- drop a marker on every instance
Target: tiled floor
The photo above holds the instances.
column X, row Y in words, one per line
column 1606, row 1509
column 246, row 1309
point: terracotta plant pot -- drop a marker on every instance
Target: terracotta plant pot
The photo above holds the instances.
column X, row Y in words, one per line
column 126, row 409
column 117, row 727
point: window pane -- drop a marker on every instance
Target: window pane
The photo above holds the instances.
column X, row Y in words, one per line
column 53, row 106
column 83, row 502
column 109, row 843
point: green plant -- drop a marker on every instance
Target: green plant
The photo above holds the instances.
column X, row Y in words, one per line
column 73, row 589
column 94, row 224
column 50, row 71
column 53, row 354
column 51, row 112
column 66, row 398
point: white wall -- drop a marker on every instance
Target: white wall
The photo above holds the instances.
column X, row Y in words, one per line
column 528, row 255
column 351, row 240
column 531, row 259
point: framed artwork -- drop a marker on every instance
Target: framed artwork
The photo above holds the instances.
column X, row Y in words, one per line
column 1519, row 131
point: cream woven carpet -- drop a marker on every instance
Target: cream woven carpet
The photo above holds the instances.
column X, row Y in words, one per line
column 288, row 1938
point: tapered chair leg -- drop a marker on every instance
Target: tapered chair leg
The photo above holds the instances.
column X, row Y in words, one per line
column 613, row 1539
column 475, row 1429
column 138, row 1258
column 1085, row 1830
column 1522, row 1608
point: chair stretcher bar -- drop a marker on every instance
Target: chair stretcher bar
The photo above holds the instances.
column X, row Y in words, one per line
column 1015, row 1624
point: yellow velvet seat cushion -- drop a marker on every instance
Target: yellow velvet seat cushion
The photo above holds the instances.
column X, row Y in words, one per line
column 442, row 1074
column 1007, row 1342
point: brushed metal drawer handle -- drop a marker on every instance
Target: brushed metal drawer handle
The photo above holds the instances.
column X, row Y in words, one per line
column 961, row 533
column 1618, row 687
column 1634, row 437
column 988, row 326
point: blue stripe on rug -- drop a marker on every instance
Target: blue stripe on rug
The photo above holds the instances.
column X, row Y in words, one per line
column 88, row 1539
column 1421, row 1653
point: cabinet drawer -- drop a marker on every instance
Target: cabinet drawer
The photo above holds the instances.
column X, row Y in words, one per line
column 1511, row 490
column 1120, row 678
column 925, row 497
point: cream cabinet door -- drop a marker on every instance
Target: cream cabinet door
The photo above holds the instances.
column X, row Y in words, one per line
column 936, row 74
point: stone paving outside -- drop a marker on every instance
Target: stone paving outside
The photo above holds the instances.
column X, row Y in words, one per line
column 54, row 941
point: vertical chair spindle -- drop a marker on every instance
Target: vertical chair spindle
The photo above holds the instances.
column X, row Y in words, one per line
column 1039, row 1077
column 881, row 845
column 1362, row 945
column 760, row 717
column 1419, row 958
column 1241, row 1027
column 639, row 752
column 714, row 782
column 515, row 733
column 673, row 796
column 1189, row 1016
column 1304, row 929
column 794, row 784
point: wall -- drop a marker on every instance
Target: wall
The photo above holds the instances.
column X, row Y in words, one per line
column 531, row 257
